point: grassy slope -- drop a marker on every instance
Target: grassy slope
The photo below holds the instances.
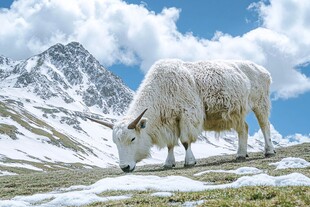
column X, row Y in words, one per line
column 31, row 183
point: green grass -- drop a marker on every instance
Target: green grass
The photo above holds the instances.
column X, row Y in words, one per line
column 38, row 182
column 9, row 130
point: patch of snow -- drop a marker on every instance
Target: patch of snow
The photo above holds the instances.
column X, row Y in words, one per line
column 291, row 162
column 77, row 199
column 6, row 173
column 239, row 171
column 192, row 203
column 141, row 183
column 72, row 199
column 162, row 194
column 13, row 203
column 20, row 165
column 31, row 63
column 293, row 179
column 82, row 195
column 23, row 149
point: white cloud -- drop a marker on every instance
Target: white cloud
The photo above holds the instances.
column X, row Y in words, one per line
column 289, row 17
column 289, row 21
column 117, row 32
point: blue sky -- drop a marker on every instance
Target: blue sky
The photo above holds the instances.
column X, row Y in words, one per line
column 203, row 18
column 127, row 39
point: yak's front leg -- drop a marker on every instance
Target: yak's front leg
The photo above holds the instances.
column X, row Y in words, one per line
column 189, row 156
column 170, row 161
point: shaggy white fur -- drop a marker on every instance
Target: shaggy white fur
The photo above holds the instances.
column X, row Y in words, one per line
column 230, row 89
column 184, row 98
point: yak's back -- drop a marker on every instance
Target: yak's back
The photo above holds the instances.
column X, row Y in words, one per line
column 224, row 89
column 260, row 80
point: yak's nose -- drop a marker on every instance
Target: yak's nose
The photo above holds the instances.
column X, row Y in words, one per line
column 127, row 169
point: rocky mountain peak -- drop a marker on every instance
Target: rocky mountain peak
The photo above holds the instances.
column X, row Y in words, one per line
column 6, row 66
column 71, row 73
column 4, row 60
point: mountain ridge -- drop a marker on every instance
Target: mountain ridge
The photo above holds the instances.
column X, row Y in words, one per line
column 43, row 103
column 71, row 73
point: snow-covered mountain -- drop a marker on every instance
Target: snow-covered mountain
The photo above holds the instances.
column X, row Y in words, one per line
column 69, row 73
column 43, row 103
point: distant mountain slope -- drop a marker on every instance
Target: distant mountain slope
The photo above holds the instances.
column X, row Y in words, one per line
column 48, row 136
column 6, row 67
column 43, row 102
column 69, row 73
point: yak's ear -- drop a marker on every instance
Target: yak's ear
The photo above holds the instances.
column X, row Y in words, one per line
column 142, row 123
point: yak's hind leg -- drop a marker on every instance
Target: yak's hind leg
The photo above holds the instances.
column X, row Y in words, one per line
column 262, row 117
column 189, row 156
column 170, row 161
column 242, row 131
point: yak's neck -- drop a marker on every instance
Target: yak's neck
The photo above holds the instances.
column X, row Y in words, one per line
column 134, row 113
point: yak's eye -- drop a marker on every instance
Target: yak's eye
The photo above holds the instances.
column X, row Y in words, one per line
column 133, row 139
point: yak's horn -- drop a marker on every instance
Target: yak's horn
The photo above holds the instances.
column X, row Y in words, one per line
column 101, row 122
column 133, row 124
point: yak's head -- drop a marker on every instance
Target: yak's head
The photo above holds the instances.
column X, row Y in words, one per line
column 131, row 140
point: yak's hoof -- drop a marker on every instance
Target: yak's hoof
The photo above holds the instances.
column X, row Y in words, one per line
column 270, row 154
column 240, row 158
column 190, row 165
column 168, row 166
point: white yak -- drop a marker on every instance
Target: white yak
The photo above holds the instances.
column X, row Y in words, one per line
column 178, row 100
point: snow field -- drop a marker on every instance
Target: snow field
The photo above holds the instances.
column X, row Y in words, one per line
column 20, row 165
column 163, row 187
